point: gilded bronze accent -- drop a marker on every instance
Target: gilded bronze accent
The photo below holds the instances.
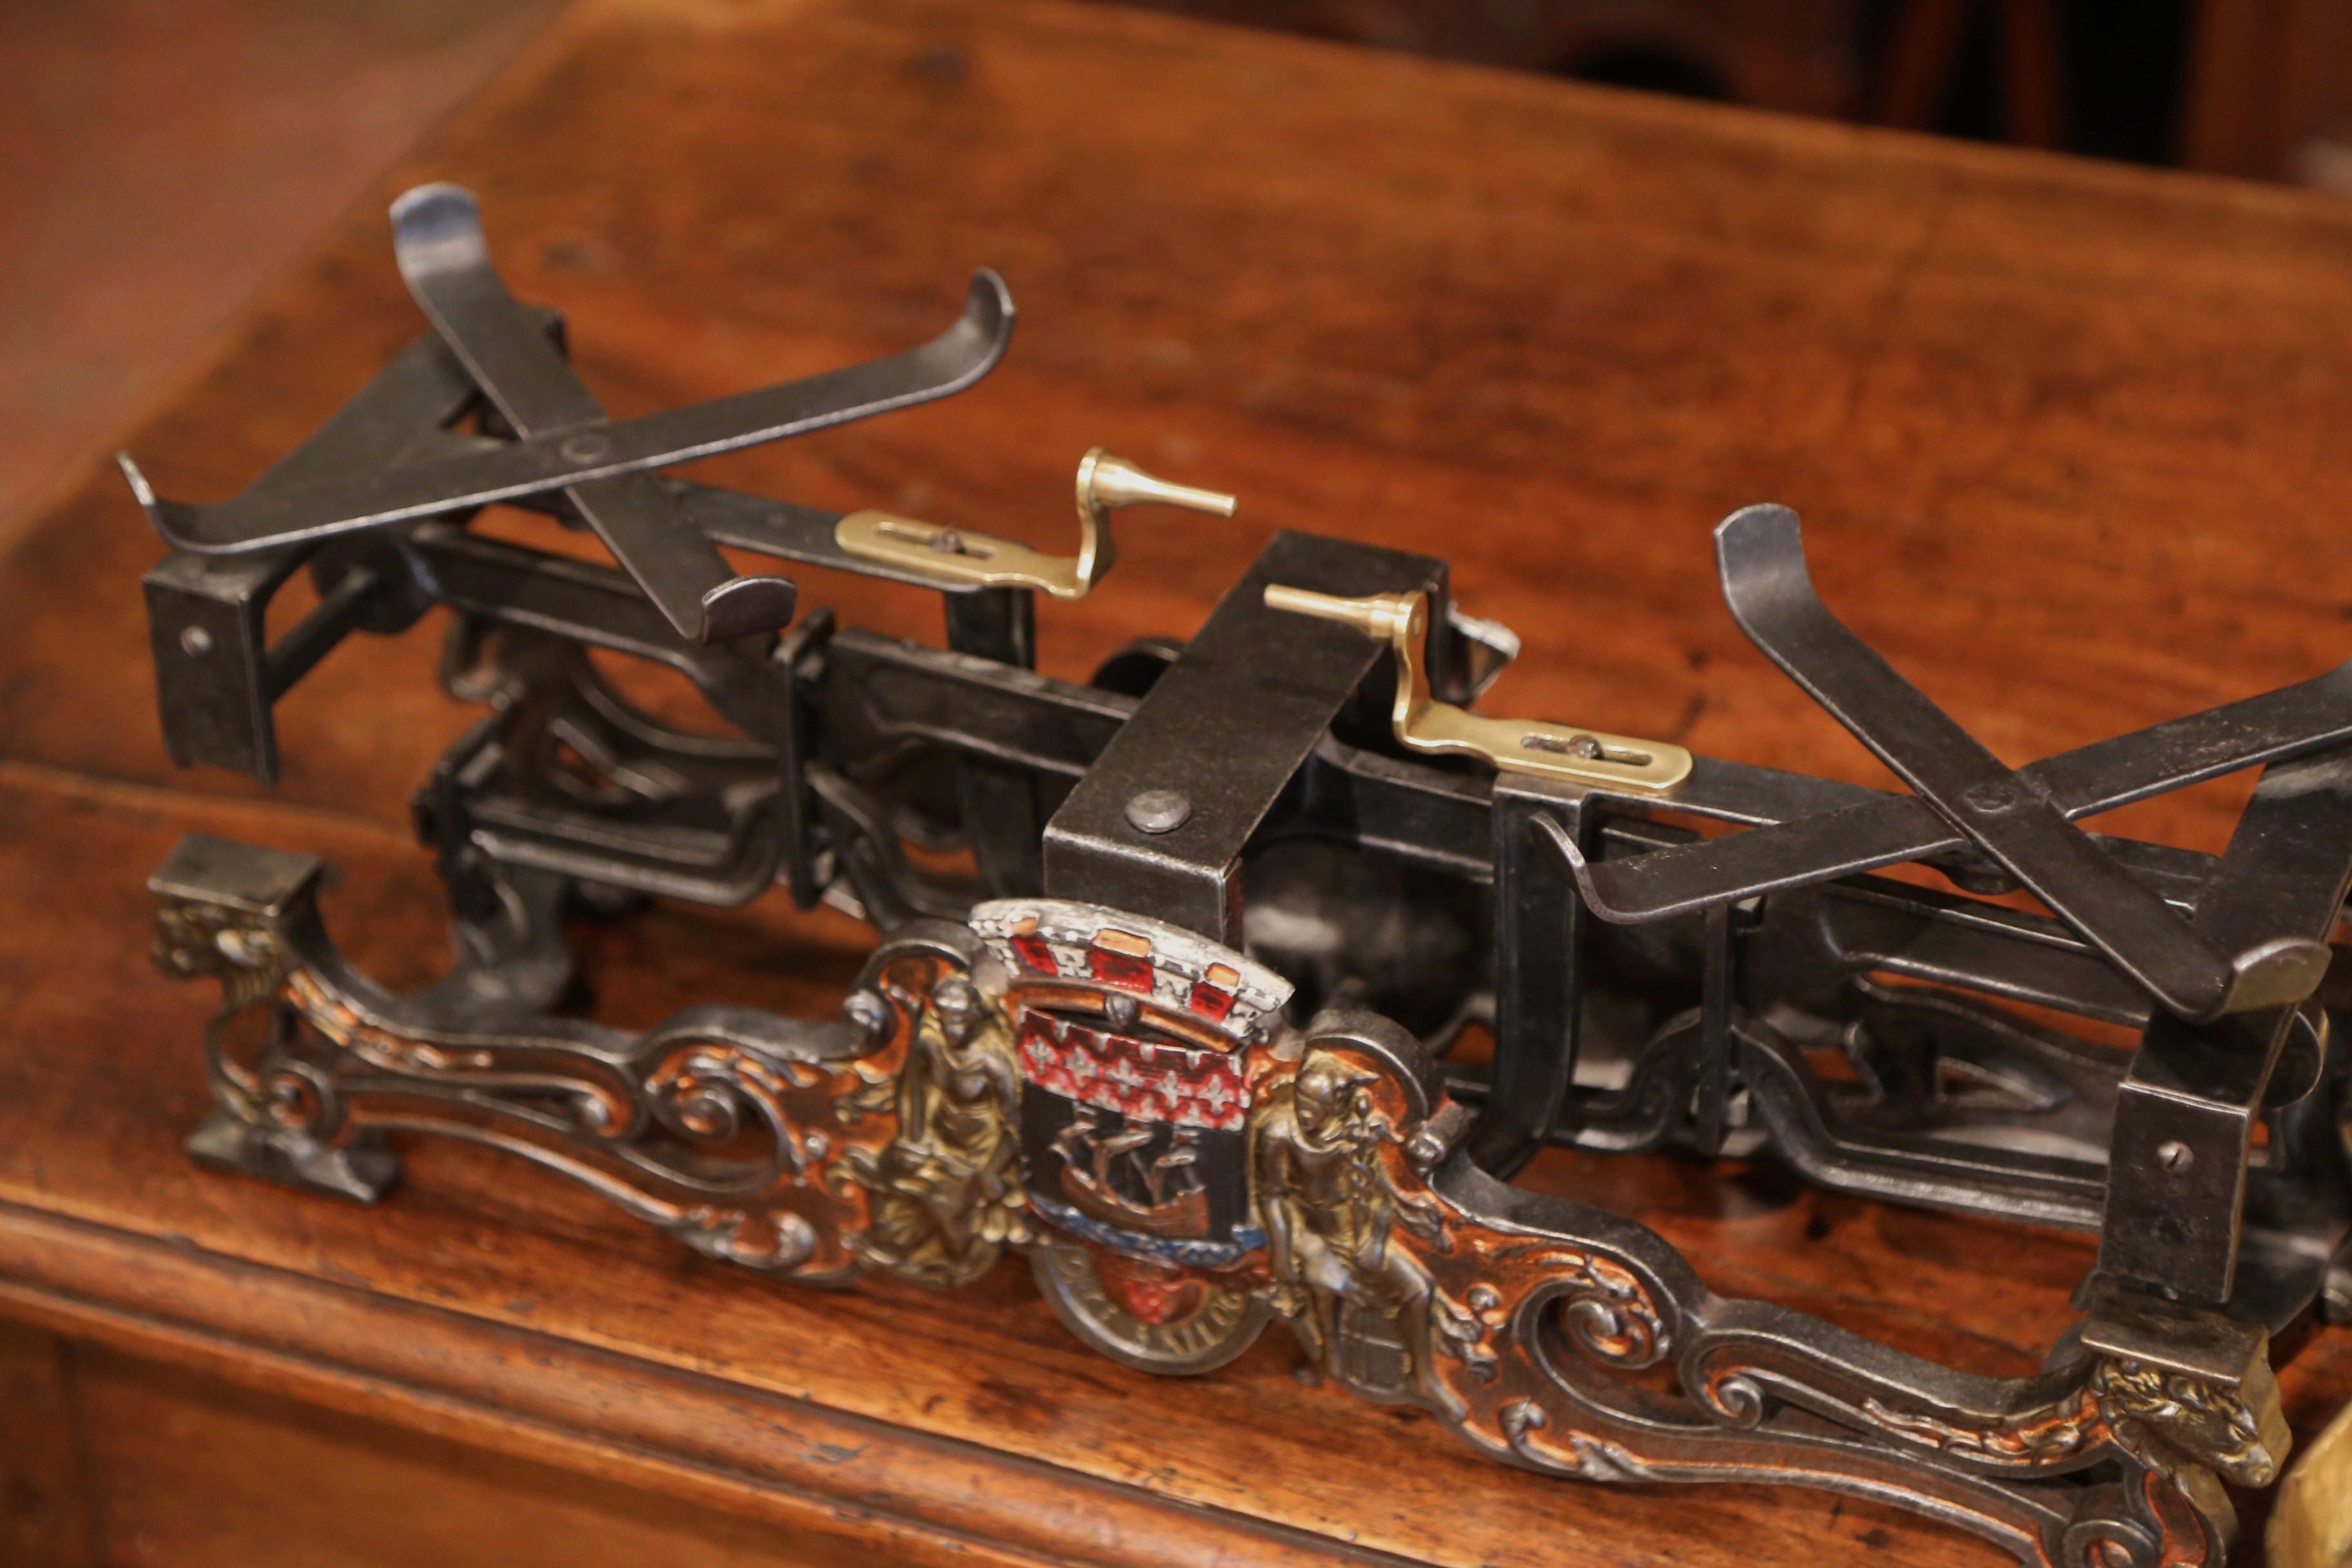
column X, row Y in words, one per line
column 1442, row 729
column 2311, row 1525
column 962, row 557
column 944, row 1195
column 1338, row 1229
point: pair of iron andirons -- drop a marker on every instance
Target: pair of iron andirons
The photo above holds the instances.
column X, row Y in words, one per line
column 1181, row 1031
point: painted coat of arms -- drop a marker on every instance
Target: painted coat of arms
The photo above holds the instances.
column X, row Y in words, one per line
column 1139, row 1046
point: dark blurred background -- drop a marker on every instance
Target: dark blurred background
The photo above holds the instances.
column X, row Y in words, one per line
column 161, row 160
column 2258, row 87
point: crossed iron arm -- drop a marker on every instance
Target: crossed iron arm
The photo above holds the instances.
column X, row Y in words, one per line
column 563, row 443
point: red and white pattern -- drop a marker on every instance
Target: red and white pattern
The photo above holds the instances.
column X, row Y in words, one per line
column 1143, row 1080
column 1173, row 967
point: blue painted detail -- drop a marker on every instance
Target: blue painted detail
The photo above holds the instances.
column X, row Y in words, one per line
column 1190, row 1254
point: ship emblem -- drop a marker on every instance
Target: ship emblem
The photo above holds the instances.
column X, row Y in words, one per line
column 1134, row 1040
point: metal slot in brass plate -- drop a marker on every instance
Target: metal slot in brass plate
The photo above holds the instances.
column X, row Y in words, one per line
column 964, row 559
column 1518, row 745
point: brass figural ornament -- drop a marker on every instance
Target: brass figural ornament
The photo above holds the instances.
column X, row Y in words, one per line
column 1183, row 1027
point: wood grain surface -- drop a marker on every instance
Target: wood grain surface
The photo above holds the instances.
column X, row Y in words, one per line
column 159, row 163
column 2069, row 442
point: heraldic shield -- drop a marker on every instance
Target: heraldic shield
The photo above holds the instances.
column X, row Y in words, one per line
column 1139, row 1045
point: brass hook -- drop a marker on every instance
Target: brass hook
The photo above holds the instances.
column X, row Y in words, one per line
column 1106, row 482
column 1516, row 746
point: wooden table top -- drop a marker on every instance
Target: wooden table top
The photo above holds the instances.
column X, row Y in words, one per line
column 2069, row 442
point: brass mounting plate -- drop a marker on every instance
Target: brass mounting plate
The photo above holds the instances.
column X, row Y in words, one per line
column 965, row 559
column 1516, row 745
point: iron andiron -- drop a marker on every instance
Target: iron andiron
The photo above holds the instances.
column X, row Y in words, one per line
column 1182, row 1031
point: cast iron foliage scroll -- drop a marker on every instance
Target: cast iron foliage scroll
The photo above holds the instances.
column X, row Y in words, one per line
column 891, row 1138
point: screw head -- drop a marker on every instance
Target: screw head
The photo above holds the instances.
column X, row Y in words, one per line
column 585, row 447
column 1159, row 810
column 1992, row 797
column 2174, row 1155
column 195, row 642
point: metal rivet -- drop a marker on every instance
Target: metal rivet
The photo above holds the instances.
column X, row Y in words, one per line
column 1991, row 797
column 1159, row 810
column 2174, row 1155
column 585, row 447
column 195, row 642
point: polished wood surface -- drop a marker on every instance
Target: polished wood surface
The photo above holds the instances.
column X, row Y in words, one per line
column 158, row 164
column 2068, row 441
